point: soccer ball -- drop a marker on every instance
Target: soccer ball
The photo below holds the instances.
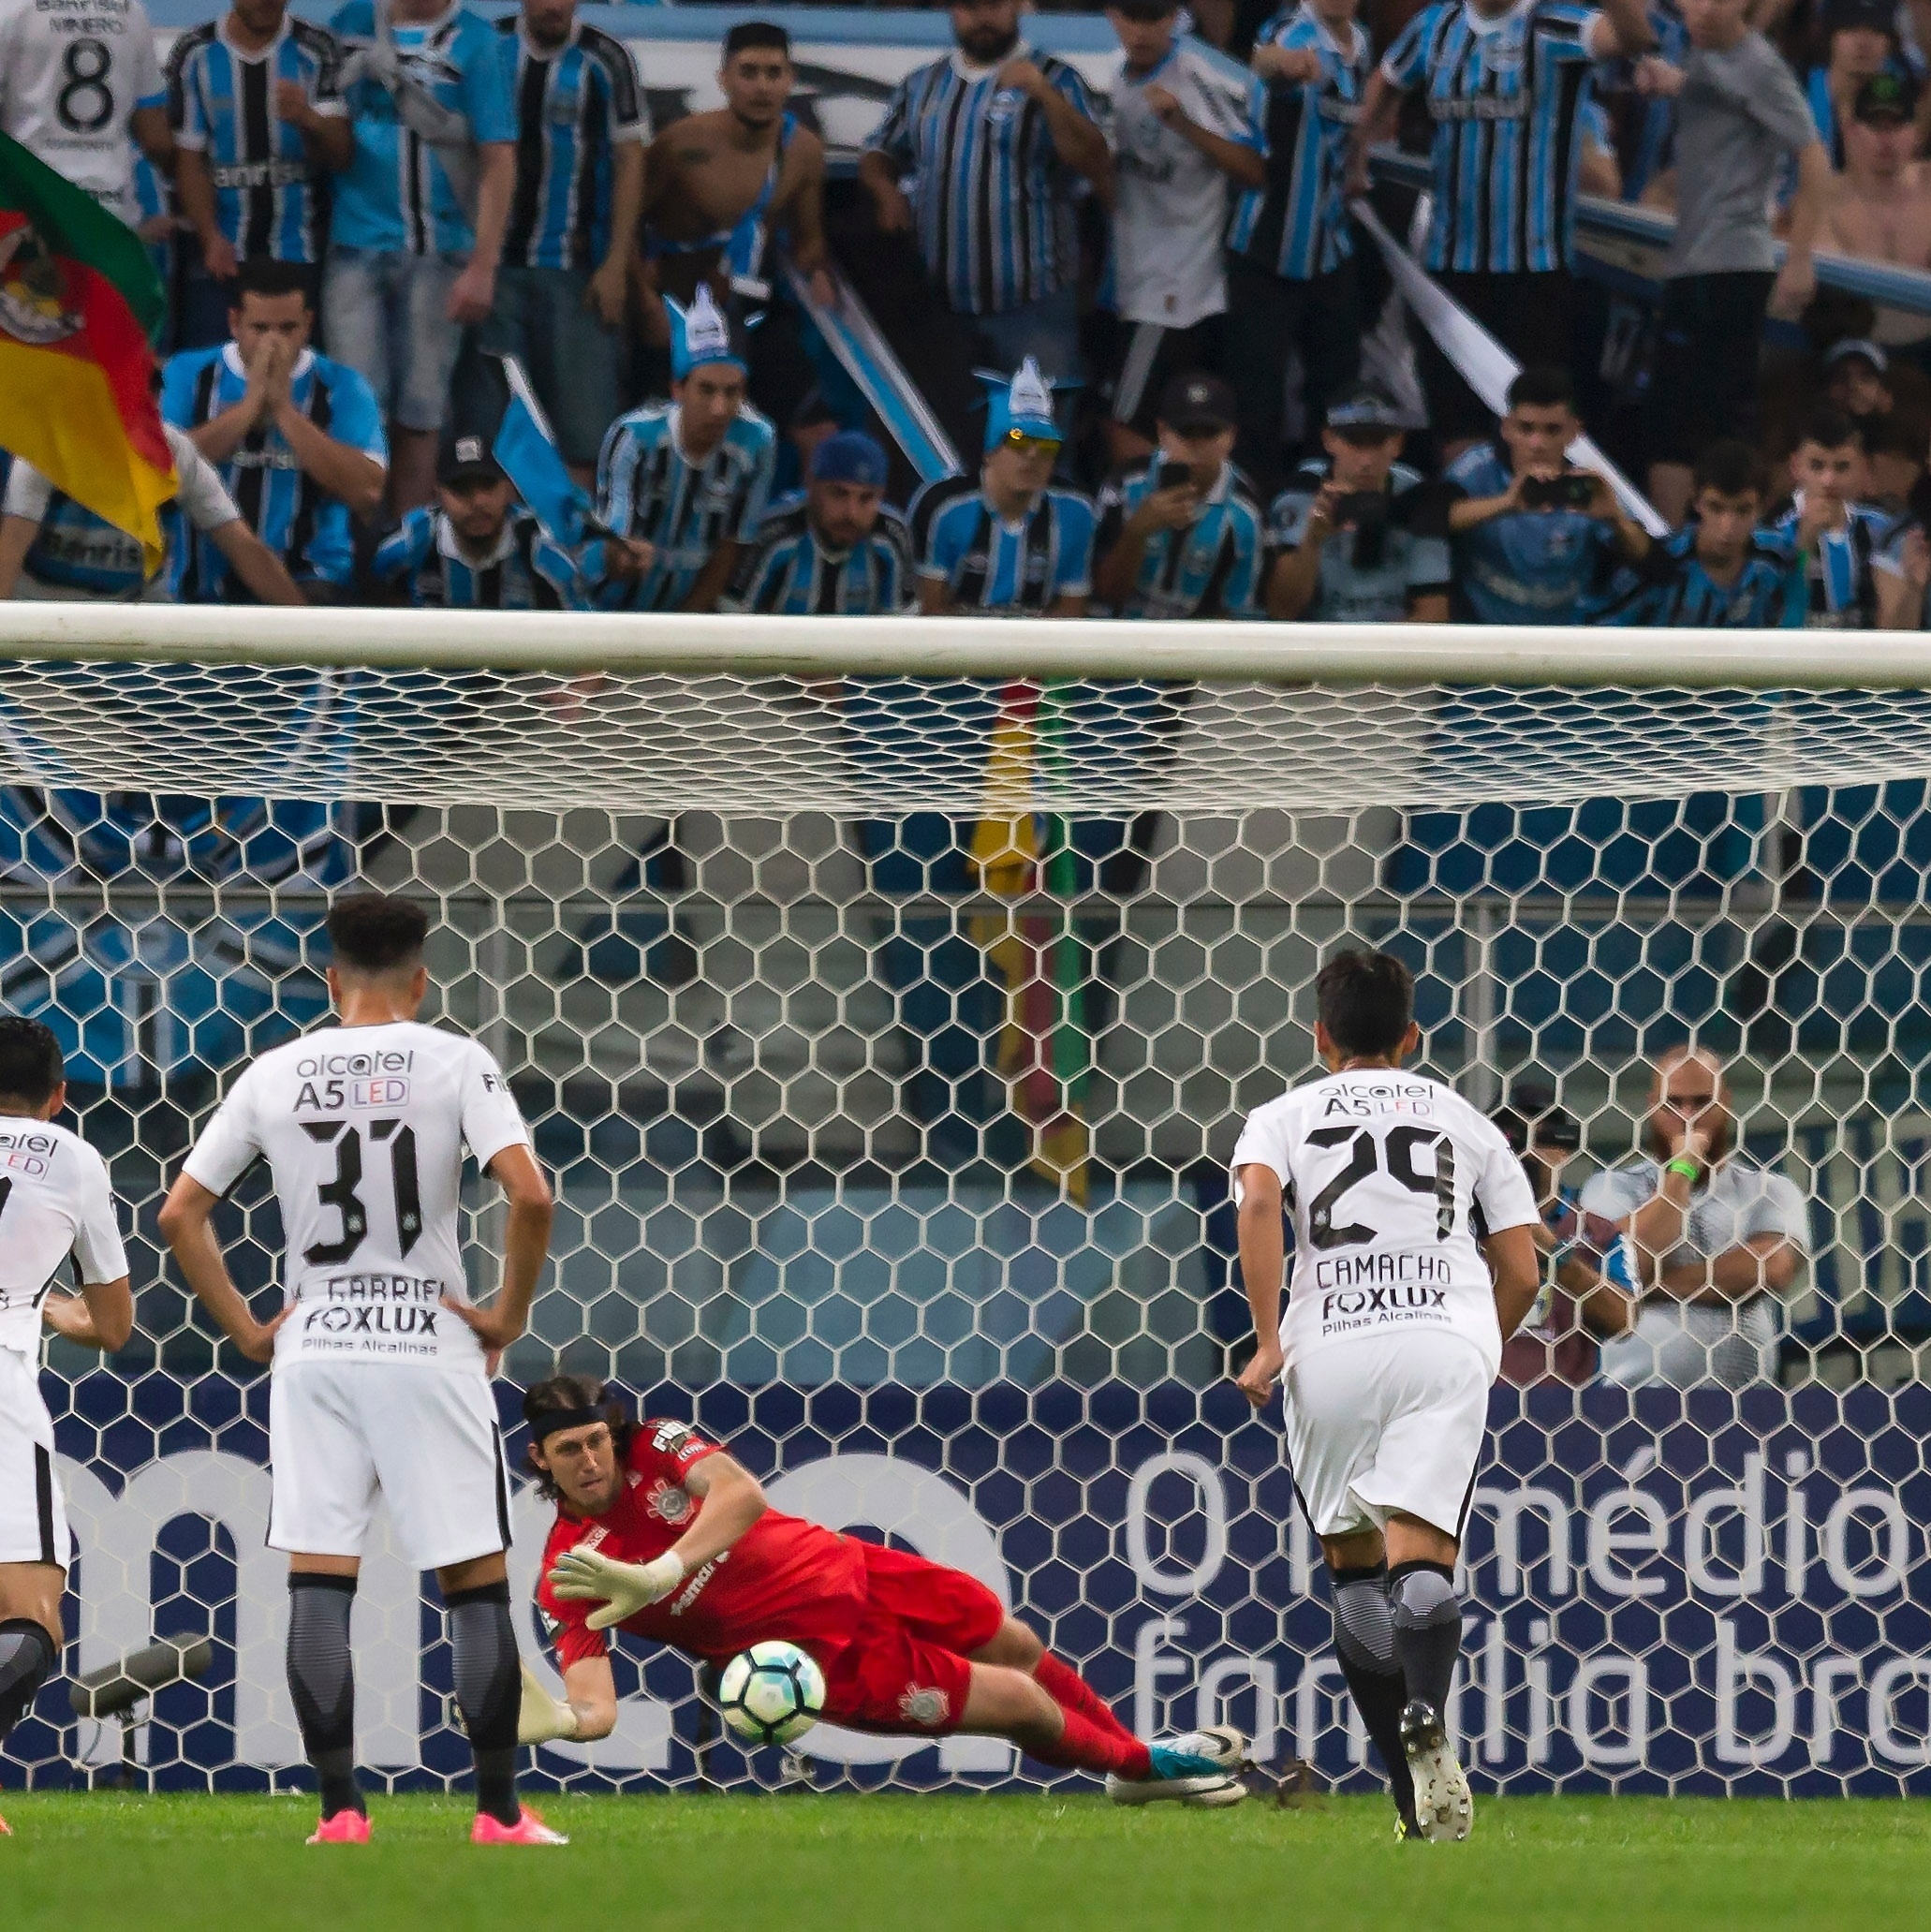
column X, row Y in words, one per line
column 771, row 1694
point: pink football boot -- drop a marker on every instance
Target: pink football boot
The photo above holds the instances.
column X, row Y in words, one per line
column 528, row 1830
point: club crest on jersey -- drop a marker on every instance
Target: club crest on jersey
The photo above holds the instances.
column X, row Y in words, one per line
column 667, row 1503
column 924, row 1704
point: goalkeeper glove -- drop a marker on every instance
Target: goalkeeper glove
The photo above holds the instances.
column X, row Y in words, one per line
column 588, row 1576
column 540, row 1718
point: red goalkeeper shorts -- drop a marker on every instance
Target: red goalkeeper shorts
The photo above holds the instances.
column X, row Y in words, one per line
column 905, row 1668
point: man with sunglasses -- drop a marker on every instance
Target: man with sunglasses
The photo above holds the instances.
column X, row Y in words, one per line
column 1007, row 543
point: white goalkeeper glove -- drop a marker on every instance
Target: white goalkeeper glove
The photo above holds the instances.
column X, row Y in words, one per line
column 540, row 1718
column 587, row 1576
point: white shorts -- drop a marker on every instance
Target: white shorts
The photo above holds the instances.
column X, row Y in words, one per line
column 340, row 1433
column 33, row 1512
column 1384, row 1425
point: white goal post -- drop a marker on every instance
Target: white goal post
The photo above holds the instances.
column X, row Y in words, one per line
column 885, row 996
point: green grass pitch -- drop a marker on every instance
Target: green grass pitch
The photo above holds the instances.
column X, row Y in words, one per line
column 910, row 1863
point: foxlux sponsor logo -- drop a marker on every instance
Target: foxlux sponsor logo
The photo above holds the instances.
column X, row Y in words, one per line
column 371, row 1319
column 1394, row 1298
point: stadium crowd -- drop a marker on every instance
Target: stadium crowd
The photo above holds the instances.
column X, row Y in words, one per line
column 1211, row 401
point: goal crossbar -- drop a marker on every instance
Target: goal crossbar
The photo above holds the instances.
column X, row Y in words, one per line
column 750, row 647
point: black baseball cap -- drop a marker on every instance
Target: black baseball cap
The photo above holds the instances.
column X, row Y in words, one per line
column 467, row 460
column 1879, row 16
column 1368, row 410
column 1886, row 100
column 1197, row 404
column 1531, row 1118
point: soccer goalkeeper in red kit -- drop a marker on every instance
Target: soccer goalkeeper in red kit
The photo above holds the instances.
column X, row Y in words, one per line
column 663, row 1534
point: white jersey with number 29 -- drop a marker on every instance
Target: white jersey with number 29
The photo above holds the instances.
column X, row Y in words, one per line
column 1392, row 1180
column 72, row 73
column 55, row 1201
column 364, row 1130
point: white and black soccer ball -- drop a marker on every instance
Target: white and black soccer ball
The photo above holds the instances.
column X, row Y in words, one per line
column 771, row 1694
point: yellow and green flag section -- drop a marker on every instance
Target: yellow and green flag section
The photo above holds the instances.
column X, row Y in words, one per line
column 77, row 297
column 1024, row 855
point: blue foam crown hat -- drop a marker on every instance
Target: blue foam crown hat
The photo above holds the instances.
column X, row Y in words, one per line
column 701, row 333
column 1022, row 402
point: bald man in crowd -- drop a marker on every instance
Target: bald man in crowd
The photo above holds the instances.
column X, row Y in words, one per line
column 1719, row 1240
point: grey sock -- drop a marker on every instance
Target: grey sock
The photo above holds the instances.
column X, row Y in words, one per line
column 27, row 1658
column 1427, row 1620
column 322, row 1681
column 489, row 1690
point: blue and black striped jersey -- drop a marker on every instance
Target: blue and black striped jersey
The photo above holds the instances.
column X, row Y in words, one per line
column 647, row 487
column 1212, row 568
column 269, row 196
column 1842, row 591
column 1297, row 224
column 1503, row 94
column 995, row 204
column 525, row 572
column 789, row 571
column 307, row 529
column 574, row 104
column 987, row 563
column 1672, row 587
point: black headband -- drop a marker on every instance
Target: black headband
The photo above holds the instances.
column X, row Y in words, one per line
column 548, row 1422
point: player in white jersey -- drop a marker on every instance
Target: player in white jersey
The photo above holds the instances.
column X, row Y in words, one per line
column 1414, row 1256
column 55, row 1202
column 80, row 84
column 382, row 1364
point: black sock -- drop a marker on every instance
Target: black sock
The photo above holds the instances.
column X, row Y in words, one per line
column 27, row 1658
column 489, row 1690
column 322, row 1680
column 1364, row 1642
column 1427, row 1618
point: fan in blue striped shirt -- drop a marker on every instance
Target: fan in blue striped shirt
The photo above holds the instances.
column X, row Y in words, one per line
column 256, row 104
column 1292, row 276
column 297, row 438
column 563, row 286
column 1836, row 540
column 482, row 550
column 1007, row 542
column 687, row 480
column 1720, row 571
column 838, row 550
column 1504, row 85
column 994, row 142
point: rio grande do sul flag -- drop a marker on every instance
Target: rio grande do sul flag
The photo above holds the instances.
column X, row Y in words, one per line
column 78, row 296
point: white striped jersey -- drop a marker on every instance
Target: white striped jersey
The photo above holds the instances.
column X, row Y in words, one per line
column 1170, row 202
column 1001, row 568
column 523, row 571
column 56, row 1202
column 574, row 105
column 789, row 571
column 1297, row 224
column 72, row 73
column 994, row 202
column 1212, row 568
column 307, row 529
column 647, row 487
column 270, row 198
column 1504, row 95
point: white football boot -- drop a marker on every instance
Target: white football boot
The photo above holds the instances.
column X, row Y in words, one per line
column 1201, row 1769
column 1444, row 1805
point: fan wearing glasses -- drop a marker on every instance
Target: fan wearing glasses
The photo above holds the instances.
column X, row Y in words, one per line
column 1008, row 543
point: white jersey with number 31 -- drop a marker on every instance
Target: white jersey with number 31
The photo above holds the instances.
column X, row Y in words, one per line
column 72, row 73
column 55, row 1201
column 1392, row 1181
column 364, row 1130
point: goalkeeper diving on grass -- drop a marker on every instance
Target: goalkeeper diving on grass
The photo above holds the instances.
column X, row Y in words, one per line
column 664, row 1534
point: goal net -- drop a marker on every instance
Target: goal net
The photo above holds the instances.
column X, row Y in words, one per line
column 885, row 1000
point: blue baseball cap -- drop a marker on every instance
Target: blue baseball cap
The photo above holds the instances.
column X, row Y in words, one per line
column 849, row 457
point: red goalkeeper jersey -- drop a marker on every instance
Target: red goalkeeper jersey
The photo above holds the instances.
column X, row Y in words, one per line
column 783, row 1578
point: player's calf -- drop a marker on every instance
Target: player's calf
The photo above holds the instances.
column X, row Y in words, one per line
column 489, row 1692
column 27, row 1656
